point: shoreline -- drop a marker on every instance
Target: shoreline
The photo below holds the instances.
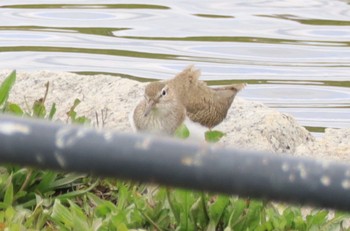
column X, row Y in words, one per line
column 249, row 125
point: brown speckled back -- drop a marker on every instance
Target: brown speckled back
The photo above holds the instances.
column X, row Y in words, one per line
column 205, row 105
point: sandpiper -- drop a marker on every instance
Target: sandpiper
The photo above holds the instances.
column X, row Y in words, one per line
column 159, row 112
column 205, row 105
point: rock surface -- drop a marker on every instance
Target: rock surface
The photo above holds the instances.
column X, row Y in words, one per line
column 335, row 144
column 249, row 125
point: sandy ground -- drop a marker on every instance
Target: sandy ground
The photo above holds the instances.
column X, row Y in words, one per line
column 249, row 125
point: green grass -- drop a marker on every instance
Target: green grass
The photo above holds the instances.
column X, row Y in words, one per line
column 34, row 199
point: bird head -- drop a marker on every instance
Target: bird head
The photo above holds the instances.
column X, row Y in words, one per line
column 158, row 95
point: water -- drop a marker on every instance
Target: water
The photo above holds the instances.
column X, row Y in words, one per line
column 294, row 54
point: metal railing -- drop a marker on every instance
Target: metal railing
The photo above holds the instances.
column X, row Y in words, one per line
column 167, row 161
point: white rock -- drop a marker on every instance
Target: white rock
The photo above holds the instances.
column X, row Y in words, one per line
column 255, row 126
column 335, row 144
column 249, row 125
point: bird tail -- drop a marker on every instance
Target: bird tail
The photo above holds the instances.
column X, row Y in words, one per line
column 190, row 73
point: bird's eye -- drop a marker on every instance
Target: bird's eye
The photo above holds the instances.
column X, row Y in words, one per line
column 164, row 92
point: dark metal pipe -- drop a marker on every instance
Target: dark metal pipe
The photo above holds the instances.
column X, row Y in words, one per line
column 174, row 162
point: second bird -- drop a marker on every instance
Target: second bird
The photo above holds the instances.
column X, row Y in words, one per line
column 205, row 105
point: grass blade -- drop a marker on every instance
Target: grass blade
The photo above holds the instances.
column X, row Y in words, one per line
column 6, row 86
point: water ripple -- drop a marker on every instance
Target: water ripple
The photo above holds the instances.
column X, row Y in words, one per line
column 294, row 54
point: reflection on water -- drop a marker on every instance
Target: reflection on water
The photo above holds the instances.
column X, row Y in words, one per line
column 295, row 55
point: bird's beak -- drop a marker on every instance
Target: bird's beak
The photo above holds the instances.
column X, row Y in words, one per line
column 149, row 106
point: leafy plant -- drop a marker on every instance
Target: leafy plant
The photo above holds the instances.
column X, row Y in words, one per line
column 5, row 88
column 72, row 114
column 213, row 136
column 182, row 132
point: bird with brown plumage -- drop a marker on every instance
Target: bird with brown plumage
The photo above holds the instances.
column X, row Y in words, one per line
column 167, row 103
column 205, row 105
column 159, row 112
